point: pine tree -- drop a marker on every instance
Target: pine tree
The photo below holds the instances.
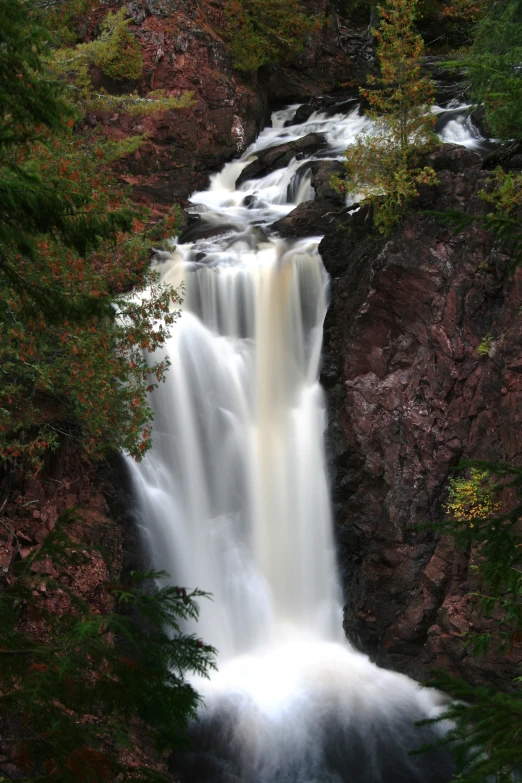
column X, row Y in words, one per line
column 383, row 164
column 494, row 67
column 77, row 686
column 71, row 244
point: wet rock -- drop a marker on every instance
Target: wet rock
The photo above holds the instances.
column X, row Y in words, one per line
column 327, row 104
column 454, row 158
column 308, row 219
column 275, row 158
column 301, row 115
column 198, row 228
column 322, row 172
column 507, row 155
column 408, row 398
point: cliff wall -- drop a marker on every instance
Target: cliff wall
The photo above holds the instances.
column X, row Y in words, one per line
column 409, row 397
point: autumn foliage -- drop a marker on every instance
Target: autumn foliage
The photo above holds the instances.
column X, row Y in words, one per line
column 72, row 341
column 383, row 164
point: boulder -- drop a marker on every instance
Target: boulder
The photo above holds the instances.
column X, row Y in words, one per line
column 311, row 218
column 275, row 158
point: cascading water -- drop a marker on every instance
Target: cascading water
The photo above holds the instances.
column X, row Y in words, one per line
column 234, row 499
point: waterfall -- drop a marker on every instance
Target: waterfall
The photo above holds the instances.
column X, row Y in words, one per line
column 233, row 499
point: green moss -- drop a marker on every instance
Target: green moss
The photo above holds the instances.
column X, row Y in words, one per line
column 485, row 345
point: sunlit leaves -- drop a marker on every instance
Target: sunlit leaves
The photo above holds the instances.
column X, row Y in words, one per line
column 472, row 496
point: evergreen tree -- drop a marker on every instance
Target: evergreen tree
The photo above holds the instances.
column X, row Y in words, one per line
column 263, row 32
column 71, row 243
column 79, row 688
column 383, row 163
column 494, row 67
column 76, row 686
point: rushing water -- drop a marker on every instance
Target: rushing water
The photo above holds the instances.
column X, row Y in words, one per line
column 234, row 499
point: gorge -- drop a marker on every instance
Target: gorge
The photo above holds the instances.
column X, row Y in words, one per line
column 234, row 496
column 218, row 375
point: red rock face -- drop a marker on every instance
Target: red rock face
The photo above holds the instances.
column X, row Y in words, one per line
column 32, row 510
column 183, row 52
column 409, row 397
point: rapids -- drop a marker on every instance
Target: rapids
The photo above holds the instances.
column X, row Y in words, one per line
column 233, row 497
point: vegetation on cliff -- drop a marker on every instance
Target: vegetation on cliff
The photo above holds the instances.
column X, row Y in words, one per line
column 71, row 243
column 487, row 721
column 264, row 32
column 78, row 683
column 80, row 688
column 484, row 508
column 383, row 165
column 114, row 52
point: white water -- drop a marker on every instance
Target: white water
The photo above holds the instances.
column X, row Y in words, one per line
column 234, row 500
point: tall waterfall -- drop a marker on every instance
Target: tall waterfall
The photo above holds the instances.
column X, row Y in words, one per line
column 233, row 499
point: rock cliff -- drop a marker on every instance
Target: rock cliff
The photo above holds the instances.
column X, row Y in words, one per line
column 183, row 52
column 409, row 396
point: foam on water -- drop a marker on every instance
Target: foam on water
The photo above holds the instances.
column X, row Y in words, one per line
column 233, row 499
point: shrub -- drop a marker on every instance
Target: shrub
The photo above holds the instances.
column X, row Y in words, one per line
column 263, row 32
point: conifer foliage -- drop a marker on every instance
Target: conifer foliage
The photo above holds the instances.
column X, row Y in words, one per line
column 383, row 164
column 71, row 242
column 263, row 32
column 494, row 67
column 78, row 687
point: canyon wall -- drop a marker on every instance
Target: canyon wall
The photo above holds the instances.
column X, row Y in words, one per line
column 409, row 397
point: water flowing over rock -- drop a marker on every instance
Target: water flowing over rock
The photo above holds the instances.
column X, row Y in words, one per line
column 233, row 498
column 184, row 51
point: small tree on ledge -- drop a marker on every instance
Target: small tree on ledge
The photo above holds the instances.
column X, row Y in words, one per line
column 384, row 161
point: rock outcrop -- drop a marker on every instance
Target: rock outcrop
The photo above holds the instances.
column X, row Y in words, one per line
column 184, row 53
column 274, row 158
column 409, row 396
